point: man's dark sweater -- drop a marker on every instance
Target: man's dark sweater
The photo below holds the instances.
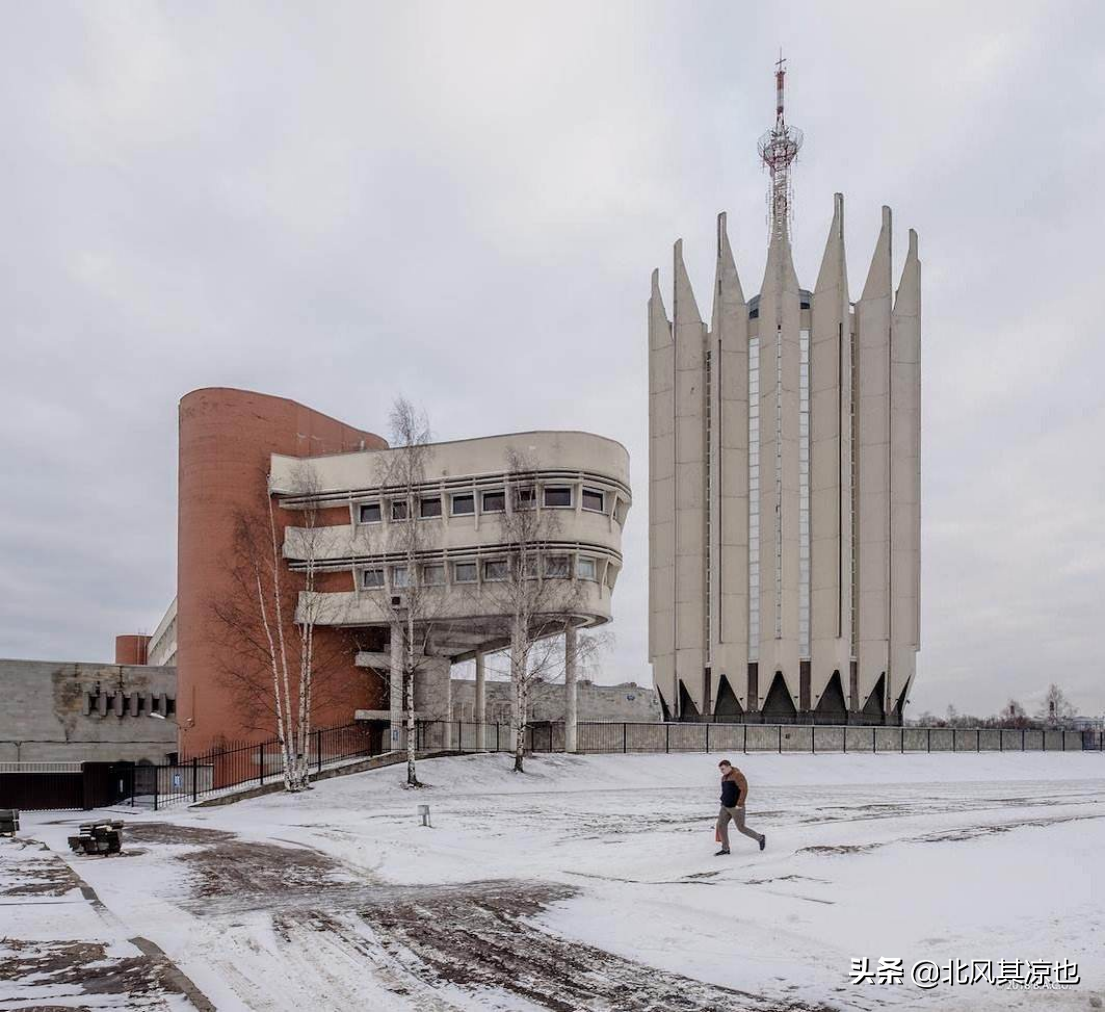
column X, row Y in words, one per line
column 733, row 789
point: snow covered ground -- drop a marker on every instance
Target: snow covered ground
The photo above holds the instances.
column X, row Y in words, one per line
column 590, row 883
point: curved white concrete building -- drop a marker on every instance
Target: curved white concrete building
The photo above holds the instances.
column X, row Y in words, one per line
column 461, row 502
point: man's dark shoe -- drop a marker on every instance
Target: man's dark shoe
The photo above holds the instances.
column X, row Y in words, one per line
column 723, row 851
column 762, row 839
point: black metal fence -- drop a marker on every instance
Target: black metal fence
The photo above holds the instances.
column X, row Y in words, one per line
column 597, row 737
column 37, row 786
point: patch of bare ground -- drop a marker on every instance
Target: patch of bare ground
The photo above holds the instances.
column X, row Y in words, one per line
column 167, row 832
column 257, row 875
column 478, row 936
column 78, row 970
column 31, row 872
column 483, row 937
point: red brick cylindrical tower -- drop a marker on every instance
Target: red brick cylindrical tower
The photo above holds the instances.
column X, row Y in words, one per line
column 226, row 437
column 131, row 649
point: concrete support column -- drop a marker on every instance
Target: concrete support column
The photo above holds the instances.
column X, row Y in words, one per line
column 570, row 688
column 395, row 682
column 480, row 707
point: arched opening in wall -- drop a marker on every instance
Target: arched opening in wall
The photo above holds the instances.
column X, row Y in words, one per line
column 779, row 707
column 873, row 708
column 666, row 715
column 726, row 706
column 831, row 707
column 688, row 709
column 896, row 713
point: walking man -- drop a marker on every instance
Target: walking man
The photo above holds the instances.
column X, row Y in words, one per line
column 734, row 790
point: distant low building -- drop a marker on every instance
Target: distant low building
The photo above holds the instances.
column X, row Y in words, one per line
column 81, row 712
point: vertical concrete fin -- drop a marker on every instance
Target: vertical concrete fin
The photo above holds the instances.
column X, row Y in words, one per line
column 832, row 272
column 727, row 284
column 660, row 329
column 662, row 469
column 873, row 439
column 831, row 542
column 908, row 297
column 878, row 284
column 906, row 409
column 729, row 463
column 779, row 272
column 684, row 309
column 690, row 492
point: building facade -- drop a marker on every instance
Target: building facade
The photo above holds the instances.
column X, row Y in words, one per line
column 76, row 712
column 435, row 531
column 340, row 522
column 785, row 488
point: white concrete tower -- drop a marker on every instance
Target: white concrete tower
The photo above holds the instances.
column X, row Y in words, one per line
column 785, row 482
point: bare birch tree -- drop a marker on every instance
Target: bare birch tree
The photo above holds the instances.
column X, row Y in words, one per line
column 270, row 621
column 408, row 538
column 531, row 589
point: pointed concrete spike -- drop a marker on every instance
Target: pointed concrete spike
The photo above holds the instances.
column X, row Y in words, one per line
column 878, row 284
column 832, row 271
column 727, row 285
column 684, row 309
column 779, row 271
column 660, row 328
column 909, row 295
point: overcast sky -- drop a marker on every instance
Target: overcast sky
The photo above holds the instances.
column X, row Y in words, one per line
column 462, row 203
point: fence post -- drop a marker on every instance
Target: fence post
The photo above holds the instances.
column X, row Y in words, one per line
column 929, row 733
column 666, row 728
column 624, row 737
column 745, row 739
column 844, row 738
column 780, row 729
column 708, row 739
column 157, row 781
column 812, row 739
column 1023, row 739
column 195, row 783
column 873, row 739
column 902, row 740
column 261, row 763
column 977, row 739
column 318, row 751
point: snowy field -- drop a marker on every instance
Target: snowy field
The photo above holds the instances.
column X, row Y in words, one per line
column 587, row 883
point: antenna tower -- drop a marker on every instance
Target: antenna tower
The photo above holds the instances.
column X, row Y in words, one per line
column 778, row 148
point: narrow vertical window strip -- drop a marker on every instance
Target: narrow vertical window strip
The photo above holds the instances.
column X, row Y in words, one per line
column 779, row 485
column 754, row 499
column 804, row 495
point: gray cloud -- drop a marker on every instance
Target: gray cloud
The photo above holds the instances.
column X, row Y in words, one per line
column 463, row 203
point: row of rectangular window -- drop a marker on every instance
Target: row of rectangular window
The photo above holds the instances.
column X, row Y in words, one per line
column 433, row 574
column 492, row 501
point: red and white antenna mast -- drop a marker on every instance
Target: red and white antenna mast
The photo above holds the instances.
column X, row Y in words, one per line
column 778, row 148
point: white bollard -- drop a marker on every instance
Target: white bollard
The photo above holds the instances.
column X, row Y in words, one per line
column 424, row 816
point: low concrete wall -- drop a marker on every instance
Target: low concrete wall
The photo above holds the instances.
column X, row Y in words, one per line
column 75, row 712
column 628, row 701
column 627, row 736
